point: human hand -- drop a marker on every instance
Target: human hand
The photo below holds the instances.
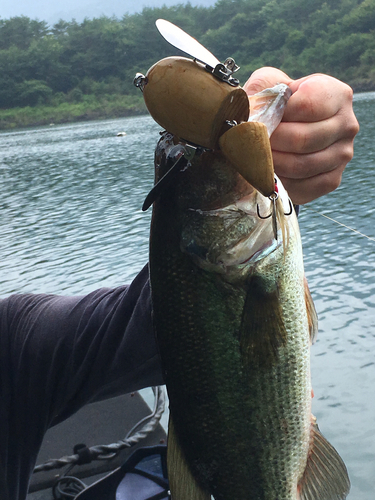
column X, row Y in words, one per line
column 314, row 142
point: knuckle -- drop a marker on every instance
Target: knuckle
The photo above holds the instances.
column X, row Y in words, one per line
column 351, row 123
column 346, row 153
column 333, row 181
column 347, row 91
column 353, row 127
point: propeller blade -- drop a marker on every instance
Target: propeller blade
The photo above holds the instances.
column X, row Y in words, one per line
column 181, row 40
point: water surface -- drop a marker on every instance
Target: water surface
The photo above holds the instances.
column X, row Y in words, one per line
column 71, row 200
column 340, row 266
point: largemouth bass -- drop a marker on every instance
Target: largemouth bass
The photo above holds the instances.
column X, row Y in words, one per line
column 234, row 321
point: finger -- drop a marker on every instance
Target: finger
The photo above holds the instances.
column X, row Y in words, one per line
column 305, row 166
column 303, row 138
column 303, row 191
column 316, row 98
column 264, row 78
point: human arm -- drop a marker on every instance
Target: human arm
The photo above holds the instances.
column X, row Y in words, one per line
column 59, row 353
column 314, row 142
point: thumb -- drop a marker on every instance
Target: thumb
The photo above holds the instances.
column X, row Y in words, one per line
column 265, row 78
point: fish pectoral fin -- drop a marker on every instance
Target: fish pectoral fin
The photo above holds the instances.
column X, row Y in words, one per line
column 325, row 476
column 182, row 484
column 312, row 315
column 262, row 330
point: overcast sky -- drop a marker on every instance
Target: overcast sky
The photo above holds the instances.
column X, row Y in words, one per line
column 50, row 11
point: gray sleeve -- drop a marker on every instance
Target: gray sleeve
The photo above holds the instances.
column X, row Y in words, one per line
column 58, row 353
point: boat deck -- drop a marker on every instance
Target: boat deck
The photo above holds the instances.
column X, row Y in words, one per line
column 100, row 423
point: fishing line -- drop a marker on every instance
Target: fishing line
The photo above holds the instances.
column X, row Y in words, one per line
column 341, row 224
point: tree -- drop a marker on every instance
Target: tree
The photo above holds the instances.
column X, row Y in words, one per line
column 21, row 31
column 33, row 92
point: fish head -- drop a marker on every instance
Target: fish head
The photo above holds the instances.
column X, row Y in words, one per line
column 223, row 222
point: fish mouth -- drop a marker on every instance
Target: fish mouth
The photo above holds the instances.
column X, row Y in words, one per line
column 268, row 247
column 232, row 238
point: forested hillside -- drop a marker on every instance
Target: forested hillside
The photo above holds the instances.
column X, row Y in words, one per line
column 96, row 60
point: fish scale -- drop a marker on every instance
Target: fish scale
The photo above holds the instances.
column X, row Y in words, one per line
column 199, row 390
column 283, row 395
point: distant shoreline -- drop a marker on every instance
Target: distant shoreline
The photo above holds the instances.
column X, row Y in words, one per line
column 14, row 118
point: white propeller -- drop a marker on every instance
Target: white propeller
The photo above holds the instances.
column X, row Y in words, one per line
column 181, row 40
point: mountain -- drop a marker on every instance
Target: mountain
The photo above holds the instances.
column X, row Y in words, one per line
column 45, row 10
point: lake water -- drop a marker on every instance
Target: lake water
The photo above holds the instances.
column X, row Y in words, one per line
column 71, row 221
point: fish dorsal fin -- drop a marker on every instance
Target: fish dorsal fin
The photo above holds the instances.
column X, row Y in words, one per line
column 182, row 484
column 325, row 476
column 311, row 314
column 262, row 329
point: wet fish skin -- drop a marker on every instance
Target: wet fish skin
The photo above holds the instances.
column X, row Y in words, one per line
column 234, row 336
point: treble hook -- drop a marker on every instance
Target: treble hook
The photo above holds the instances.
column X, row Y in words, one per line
column 290, row 208
column 274, row 197
column 269, row 215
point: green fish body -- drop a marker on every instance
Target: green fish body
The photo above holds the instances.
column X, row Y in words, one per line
column 234, row 322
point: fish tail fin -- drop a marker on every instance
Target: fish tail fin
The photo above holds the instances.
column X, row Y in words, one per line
column 325, row 476
column 281, row 218
column 182, row 484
